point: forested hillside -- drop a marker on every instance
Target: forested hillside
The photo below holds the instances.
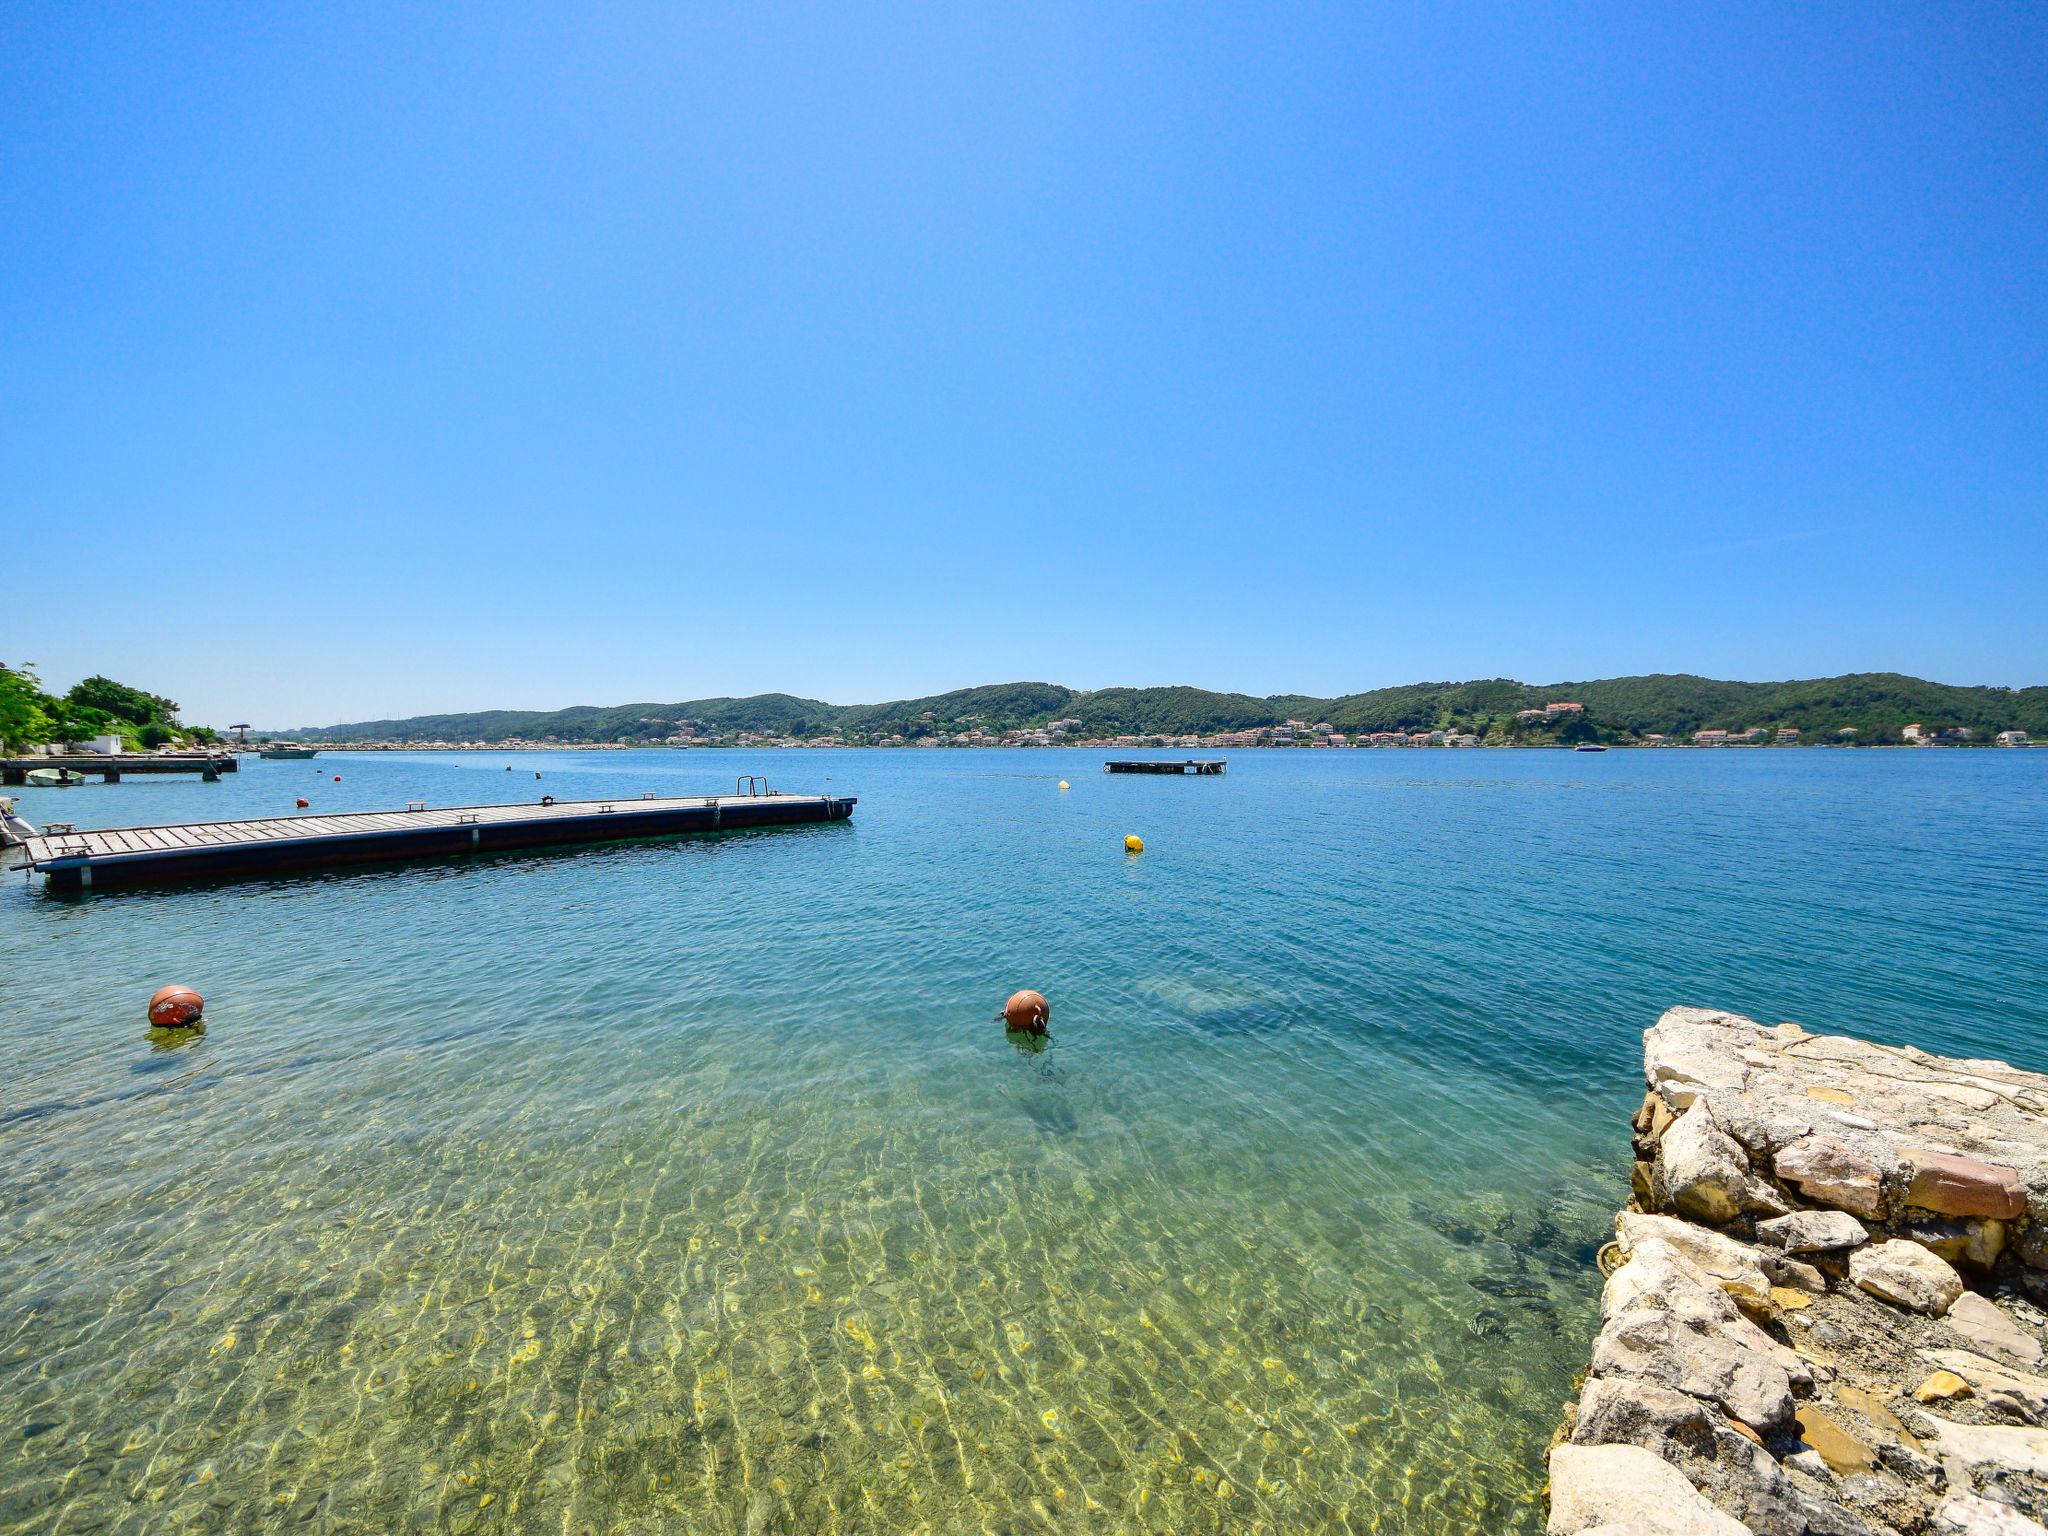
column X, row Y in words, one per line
column 1873, row 706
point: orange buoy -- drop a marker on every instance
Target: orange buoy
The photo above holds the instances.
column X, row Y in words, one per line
column 304, row 802
column 175, row 1007
column 1027, row 1011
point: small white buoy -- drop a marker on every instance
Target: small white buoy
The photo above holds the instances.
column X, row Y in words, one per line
column 1065, row 785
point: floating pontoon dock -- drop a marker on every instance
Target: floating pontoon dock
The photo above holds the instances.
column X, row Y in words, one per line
column 212, row 850
column 1149, row 765
column 110, row 766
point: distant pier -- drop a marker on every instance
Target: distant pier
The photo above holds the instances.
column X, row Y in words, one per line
column 227, row 850
column 111, row 766
column 1202, row 765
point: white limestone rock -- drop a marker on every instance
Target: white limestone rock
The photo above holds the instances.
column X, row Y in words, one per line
column 1906, row 1275
column 1732, row 1468
column 2019, row 1393
column 1686, row 1051
column 1809, row 1461
column 1830, row 1172
column 1878, row 1131
column 1736, row 1267
column 1981, row 1321
column 1794, row 1275
column 1814, row 1232
column 1964, row 1514
column 1705, row 1172
column 1995, row 1448
column 1667, row 1322
column 1892, row 1143
column 1623, row 1411
column 1597, row 1488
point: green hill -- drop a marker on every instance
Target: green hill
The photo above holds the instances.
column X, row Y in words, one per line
column 1874, row 706
column 95, row 706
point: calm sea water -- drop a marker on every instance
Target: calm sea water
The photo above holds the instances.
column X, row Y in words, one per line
column 690, row 1187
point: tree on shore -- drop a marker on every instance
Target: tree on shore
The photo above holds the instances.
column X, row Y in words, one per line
column 97, row 706
column 24, row 718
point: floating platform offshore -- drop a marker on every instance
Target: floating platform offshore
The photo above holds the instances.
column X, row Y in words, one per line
column 214, row 850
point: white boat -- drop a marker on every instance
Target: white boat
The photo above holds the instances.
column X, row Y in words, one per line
column 1589, row 746
column 285, row 749
column 54, row 778
column 12, row 828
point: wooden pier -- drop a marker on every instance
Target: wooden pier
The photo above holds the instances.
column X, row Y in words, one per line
column 1201, row 765
column 111, row 766
column 228, row 850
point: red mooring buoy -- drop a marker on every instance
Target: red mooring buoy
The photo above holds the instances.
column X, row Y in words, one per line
column 304, row 802
column 1027, row 1011
column 174, row 1007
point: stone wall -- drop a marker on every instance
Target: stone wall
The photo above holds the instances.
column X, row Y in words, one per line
column 1824, row 1307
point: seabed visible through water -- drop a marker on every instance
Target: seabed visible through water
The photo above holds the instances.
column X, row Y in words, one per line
column 689, row 1187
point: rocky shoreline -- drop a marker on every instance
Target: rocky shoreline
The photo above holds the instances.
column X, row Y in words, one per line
column 1827, row 1299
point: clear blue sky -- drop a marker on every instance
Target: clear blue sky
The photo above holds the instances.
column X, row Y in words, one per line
column 360, row 361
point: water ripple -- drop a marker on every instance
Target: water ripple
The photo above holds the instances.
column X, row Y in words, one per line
column 687, row 1185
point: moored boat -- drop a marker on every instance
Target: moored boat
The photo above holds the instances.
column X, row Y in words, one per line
column 13, row 829
column 1590, row 746
column 285, row 749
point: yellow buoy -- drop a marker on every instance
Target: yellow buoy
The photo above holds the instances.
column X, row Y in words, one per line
column 1065, row 785
column 1134, row 844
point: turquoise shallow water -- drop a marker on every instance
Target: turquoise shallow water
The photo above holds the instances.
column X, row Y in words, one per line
column 689, row 1187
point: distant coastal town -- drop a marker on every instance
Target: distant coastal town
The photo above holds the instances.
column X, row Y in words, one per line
column 1287, row 734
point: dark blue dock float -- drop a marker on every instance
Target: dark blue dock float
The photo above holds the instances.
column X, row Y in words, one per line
column 1191, row 765
column 226, row 850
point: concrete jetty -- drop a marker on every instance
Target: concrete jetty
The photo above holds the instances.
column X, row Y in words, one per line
column 111, row 766
column 1824, row 1311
